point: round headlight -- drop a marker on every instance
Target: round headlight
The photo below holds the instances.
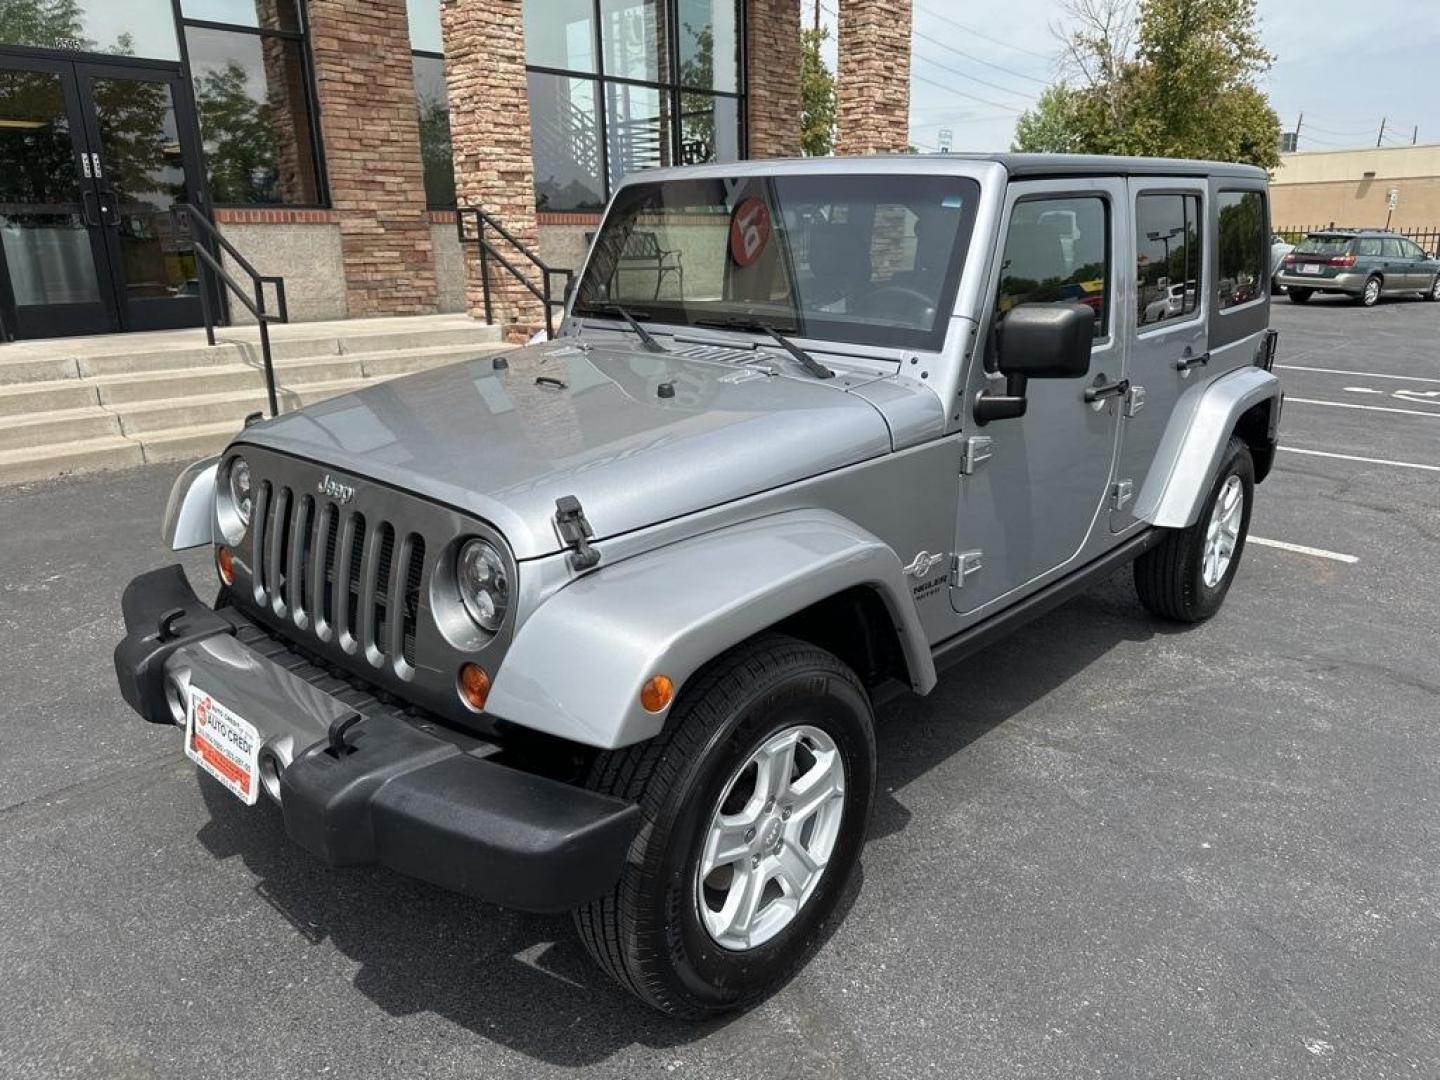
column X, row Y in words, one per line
column 484, row 583
column 240, row 492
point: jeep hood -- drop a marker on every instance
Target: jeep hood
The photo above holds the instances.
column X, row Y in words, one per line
column 638, row 437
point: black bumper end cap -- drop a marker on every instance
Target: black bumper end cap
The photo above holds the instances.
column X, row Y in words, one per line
column 419, row 805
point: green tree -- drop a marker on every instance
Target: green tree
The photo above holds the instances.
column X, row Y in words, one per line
column 1170, row 78
column 44, row 23
column 239, row 141
column 817, row 96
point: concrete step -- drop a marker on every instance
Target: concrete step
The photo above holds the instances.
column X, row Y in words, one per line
column 163, row 385
column 23, row 399
column 190, row 443
column 86, row 455
column 24, row 369
column 43, row 429
column 138, row 420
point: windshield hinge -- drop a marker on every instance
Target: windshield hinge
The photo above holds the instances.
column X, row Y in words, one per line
column 974, row 452
column 575, row 532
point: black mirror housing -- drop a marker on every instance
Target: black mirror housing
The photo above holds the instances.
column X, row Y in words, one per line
column 1046, row 341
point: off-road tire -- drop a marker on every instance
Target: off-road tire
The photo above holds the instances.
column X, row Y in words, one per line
column 1300, row 296
column 1169, row 578
column 646, row 933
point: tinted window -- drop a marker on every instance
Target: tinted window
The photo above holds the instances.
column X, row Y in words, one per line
column 560, row 34
column 1413, row 250
column 435, row 152
column 1057, row 250
column 1243, row 253
column 1392, row 248
column 119, row 27
column 1324, row 245
column 1167, row 260
column 1367, row 245
column 564, row 135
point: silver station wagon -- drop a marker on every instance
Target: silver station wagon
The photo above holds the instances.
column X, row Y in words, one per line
column 601, row 624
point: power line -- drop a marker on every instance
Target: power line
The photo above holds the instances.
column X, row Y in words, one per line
column 1030, row 98
column 962, row 93
column 984, row 36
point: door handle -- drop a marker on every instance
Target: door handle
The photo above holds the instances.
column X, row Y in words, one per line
column 90, row 222
column 1185, row 363
column 1101, row 391
column 109, row 206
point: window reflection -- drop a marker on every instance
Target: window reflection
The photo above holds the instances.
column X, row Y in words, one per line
column 436, row 156
column 633, row 33
column 565, row 136
column 144, row 28
column 709, row 45
column 560, row 34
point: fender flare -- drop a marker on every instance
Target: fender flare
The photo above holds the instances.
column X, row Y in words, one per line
column 190, row 511
column 576, row 665
column 1190, row 451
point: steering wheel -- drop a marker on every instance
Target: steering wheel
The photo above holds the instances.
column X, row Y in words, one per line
column 897, row 303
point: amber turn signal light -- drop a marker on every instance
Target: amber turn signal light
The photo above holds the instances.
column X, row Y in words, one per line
column 474, row 686
column 656, row 693
column 225, row 563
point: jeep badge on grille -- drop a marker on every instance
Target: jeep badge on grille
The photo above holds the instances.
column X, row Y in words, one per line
column 341, row 493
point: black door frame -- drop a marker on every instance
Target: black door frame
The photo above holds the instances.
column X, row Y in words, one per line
column 75, row 71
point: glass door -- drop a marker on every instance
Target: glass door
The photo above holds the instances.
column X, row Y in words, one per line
column 52, row 276
column 142, row 167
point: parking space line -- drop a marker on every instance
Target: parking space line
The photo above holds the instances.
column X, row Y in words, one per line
column 1365, row 460
column 1366, row 374
column 1353, row 405
column 1301, row 549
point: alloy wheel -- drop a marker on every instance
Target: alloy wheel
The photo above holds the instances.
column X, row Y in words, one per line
column 1223, row 532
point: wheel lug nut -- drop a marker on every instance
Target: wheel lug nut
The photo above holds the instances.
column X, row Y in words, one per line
column 786, row 814
column 755, row 859
column 769, row 805
column 749, row 835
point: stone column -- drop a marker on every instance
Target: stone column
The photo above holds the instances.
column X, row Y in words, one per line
column 371, row 127
column 773, row 77
column 873, row 83
column 490, row 139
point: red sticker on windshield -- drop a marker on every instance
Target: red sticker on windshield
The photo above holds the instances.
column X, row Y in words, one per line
column 749, row 231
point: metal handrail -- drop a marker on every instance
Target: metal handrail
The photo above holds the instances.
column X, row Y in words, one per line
column 544, row 292
column 255, row 305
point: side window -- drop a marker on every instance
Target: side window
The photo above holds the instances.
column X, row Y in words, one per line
column 1392, row 248
column 1167, row 257
column 1243, row 255
column 1058, row 251
column 1413, row 250
column 1368, row 245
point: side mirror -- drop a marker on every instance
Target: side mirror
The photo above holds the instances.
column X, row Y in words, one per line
column 1037, row 341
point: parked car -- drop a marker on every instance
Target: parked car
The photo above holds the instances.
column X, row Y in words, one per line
column 1279, row 248
column 601, row 624
column 1170, row 303
column 1363, row 265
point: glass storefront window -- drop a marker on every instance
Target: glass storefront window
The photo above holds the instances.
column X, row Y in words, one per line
column 250, row 94
column 709, row 128
column 143, row 28
column 435, row 153
column 560, row 34
column 637, row 129
column 261, row 14
column 631, row 35
column 709, row 45
column 424, row 16
column 565, row 136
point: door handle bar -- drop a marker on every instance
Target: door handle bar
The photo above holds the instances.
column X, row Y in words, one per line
column 1107, row 390
column 1185, row 363
column 85, row 197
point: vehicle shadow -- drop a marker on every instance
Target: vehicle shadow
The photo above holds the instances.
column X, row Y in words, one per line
column 524, row 981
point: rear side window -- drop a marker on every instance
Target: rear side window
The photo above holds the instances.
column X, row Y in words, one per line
column 1167, row 258
column 1243, row 253
column 1368, row 245
column 1324, row 245
column 1058, row 251
column 1393, row 250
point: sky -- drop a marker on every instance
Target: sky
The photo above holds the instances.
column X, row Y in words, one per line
column 1346, row 65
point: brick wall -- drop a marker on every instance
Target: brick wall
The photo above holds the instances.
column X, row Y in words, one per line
column 369, row 120
column 490, row 139
column 873, row 83
column 773, row 33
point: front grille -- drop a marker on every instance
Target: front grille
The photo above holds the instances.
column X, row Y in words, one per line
column 329, row 571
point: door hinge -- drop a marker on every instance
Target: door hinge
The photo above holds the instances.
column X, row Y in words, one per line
column 962, row 565
column 1121, row 492
column 575, row 532
column 974, row 452
column 1134, row 400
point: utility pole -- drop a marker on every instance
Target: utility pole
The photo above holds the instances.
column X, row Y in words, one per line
column 817, row 16
column 1415, row 135
column 1381, row 139
column 1299, row 123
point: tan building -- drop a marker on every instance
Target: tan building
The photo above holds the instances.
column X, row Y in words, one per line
column 332, row 140
column 1353, row 188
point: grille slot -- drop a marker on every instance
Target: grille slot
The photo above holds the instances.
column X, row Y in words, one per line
column 410, row 602
column 298, row 566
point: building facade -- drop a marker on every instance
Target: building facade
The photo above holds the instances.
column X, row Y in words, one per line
column 331, row 141
column 1355, row 188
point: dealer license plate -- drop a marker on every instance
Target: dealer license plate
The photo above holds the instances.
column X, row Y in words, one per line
column 1309, row 268
column 224, row 745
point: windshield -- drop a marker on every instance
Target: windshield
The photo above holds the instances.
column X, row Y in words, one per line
column 869, row 259
column 1323, row 245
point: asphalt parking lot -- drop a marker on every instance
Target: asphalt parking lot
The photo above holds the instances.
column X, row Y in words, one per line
column 1101, row 848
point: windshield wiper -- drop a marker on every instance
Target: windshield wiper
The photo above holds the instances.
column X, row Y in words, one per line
column 647, row 339
column 808, row 362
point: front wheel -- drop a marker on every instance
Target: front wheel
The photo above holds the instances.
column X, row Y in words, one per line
column 1186, row 576
column 1433, row 293
column 754, row 801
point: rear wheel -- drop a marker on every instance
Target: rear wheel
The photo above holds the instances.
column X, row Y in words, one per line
column 1299, row 296
column 1433, row 293
column 1186, row 576
column 754, row 801
column 1370, row 295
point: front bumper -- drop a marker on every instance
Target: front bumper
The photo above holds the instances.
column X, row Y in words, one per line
column 1346, row 282
column 360, row 781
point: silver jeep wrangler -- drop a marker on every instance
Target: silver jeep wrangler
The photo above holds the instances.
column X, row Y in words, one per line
column 601, row 624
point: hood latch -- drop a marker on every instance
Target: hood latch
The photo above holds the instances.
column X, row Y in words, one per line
column 575, row 532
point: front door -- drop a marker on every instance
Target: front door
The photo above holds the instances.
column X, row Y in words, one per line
column 1029, row 511
column 92, row 158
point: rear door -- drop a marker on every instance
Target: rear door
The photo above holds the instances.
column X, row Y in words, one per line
column 1399, row 272
column 1167, row 341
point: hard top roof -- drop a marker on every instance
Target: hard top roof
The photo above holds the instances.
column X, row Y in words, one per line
column 1036, row 165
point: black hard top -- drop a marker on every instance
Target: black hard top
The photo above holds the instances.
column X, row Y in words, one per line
column 1033, row 166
